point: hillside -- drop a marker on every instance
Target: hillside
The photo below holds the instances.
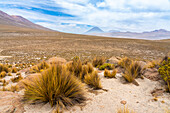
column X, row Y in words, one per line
column 18, row 21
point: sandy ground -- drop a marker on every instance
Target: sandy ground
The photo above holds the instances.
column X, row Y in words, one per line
column 138, row 98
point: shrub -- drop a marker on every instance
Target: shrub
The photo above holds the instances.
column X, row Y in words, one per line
column 9, row 74
column 14, row 70
column 13, row 88
column 107, row 73
column 164, row 70
column 75, row 67
column 17, row 79
column 110, row 75
column 153, row 64
column 4, row 82
column 98, row 61
column 132, row 71
column 125, row 110
column 113, row 74
column 3, row 74
column 106, row 66
column 3, row 67
column 90, row 67
column 84, row 72
column 18, row 73
column 55, row 85
column 41, row 66
column 124, row 62
column 93, row 80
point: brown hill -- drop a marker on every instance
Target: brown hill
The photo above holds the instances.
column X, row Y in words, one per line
column 18, row 21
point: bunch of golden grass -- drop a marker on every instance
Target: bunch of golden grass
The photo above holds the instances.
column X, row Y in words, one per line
column 13, row 88
column 3, row 67
column 132, row 71
column 90, row 67
column 4, row 82
column 2, row 74
column 75, row 67
column 9, row 74
column 98, row 61
column 93, row 80
column 17, row 79
column 125, row 110
column 55, row 85
column 124, row 62
column 110, row 75
column 153, row 64
column 41, row 66
column 14, row 70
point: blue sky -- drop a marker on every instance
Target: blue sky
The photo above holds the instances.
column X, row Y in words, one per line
column 77, row 16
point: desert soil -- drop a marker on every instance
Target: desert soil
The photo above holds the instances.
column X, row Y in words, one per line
column 137, row 98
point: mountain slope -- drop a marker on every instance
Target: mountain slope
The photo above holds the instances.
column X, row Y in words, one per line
column 94, row 30
column 18, row 21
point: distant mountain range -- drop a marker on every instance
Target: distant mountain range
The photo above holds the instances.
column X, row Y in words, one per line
column 18, row 21
column 152, row 35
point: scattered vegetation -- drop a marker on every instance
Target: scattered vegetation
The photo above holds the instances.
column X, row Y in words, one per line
column 3, row 67
column 13, row 88
column 14, row 70
column 4, row 82
column 55, row 85
column 106, row 66
column 98, row 61
column 9, row 74
column 17, row 78
column 132, row 71
column 38, row 68
column 154, row 64
column 109, row 74
column 2, row 74
column 164, row 70
column 93, row 80
column 125, row 110
column 124, row 62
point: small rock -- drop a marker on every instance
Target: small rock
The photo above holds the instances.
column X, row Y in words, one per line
column 56, row 60
column 123, row 102
column 113, row 60
column 162, row 101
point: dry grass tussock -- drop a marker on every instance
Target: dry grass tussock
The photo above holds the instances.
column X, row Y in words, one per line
column 55, row 85
column 125, row 110
column 132, row 71
column 93, row 80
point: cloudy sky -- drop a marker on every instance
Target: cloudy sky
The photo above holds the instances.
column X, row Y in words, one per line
column 77, row 16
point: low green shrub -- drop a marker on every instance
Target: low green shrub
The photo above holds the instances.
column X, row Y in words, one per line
column 106, row 66
column 164, row 70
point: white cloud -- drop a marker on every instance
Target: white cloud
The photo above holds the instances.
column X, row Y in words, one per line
column 135, row 15
column 101, row 4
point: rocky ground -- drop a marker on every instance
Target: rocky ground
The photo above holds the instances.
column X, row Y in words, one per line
column 148, row 97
